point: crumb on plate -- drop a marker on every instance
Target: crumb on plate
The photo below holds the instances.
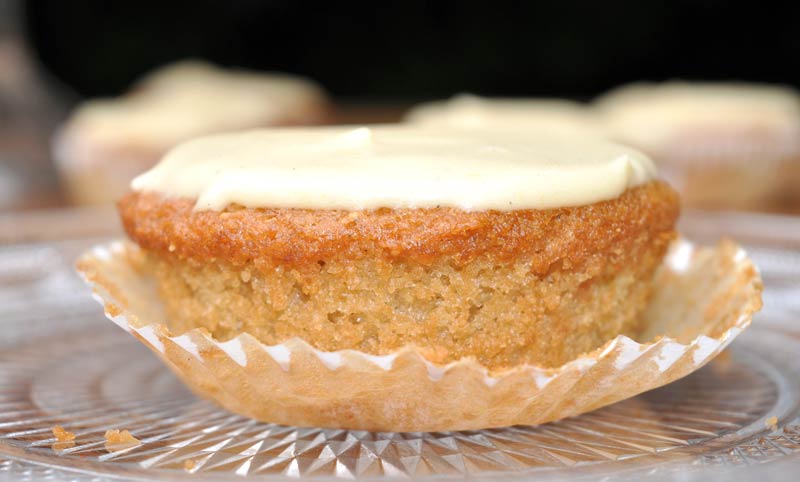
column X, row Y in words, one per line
column 63, row 435
column 771, row 423
column 120, row 440
column 64, row 439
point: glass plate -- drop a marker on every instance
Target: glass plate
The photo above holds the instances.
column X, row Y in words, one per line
column 62, row 363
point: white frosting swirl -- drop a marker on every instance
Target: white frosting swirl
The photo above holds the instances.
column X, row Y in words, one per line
column 395, row 167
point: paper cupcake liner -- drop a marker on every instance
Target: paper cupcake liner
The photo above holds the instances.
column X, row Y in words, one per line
column 704, row 298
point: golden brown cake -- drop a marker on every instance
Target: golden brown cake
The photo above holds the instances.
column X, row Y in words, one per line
column 723, row 145
column 107, row 142
column 503, row 248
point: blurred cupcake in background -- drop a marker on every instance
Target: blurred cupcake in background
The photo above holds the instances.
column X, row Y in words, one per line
column 556, row 116
column 107, row 142
column 724, row 145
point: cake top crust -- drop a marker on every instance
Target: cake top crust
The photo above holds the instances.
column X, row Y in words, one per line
column 302, row 237
column 395, row 167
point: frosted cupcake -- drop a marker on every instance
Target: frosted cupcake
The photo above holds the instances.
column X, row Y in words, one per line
column 725, row 145
column 403, row 279
column 553, row 116
column 508, row 249
column 107, row 142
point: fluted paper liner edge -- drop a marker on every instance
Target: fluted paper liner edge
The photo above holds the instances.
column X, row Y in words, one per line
column 704, row 298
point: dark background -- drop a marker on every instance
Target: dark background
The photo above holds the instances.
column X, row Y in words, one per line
column 412, row 50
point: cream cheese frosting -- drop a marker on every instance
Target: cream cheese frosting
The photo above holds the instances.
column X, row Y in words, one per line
column 654, row 117
column 192, row 98
column 466, row 111
column 395, row 167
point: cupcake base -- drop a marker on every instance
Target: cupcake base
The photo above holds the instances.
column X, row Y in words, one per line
column 704, row 297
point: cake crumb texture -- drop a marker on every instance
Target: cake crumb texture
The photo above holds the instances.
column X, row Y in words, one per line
column 504, row 288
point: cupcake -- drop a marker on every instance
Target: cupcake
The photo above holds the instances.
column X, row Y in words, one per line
column 554, row 116
column 107, row 142
column 395, row 278
column 724, row 145
column 373, row 239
